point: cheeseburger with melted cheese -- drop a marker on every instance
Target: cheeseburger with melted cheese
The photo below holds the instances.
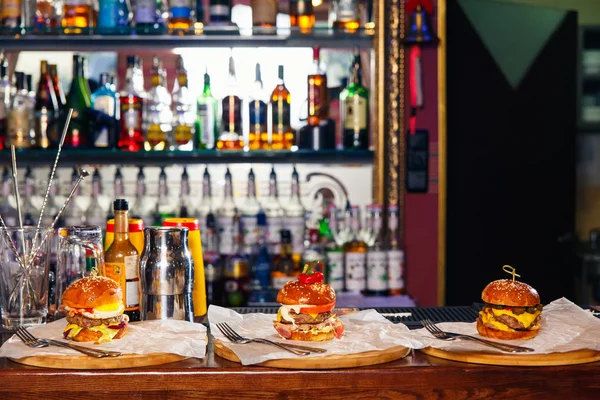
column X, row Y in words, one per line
column 95, row 310
column 306, row 309
column 512, row 310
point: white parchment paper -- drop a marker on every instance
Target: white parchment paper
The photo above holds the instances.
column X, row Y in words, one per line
column 161, row 336
column 565, row 327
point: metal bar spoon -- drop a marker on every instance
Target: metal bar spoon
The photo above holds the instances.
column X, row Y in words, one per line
column 13, row 156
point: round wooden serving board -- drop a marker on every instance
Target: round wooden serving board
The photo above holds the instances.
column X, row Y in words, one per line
column 326, row 362
column 84, row 362
column 511, row 359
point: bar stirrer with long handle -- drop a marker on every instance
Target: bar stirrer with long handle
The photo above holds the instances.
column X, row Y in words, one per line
column 13, row 156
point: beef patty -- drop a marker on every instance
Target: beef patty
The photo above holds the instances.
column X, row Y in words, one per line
column 307, row 318
column 85, row 322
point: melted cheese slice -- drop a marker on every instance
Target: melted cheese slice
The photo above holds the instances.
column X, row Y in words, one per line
column 526, row 319
column 107, row 333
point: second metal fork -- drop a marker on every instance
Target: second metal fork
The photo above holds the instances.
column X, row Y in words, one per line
column 28, row 339
column 439, row 334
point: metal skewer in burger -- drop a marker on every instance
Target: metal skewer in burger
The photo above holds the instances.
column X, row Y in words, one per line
column 306, row 309
column 512, row 309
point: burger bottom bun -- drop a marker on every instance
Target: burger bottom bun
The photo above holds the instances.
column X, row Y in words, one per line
column 311, row 337
column 86, row 335
column 506, row 335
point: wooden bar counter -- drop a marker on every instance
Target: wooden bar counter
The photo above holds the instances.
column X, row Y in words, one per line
column 417, row 376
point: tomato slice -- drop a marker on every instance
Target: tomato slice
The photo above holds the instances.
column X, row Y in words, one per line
column 317, row 309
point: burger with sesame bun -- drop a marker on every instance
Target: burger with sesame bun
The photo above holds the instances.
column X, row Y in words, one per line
column 512, row 310
column 95, row 310
column 306, row 309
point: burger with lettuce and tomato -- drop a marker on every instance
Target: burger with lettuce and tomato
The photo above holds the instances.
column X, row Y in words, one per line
column 306, row 309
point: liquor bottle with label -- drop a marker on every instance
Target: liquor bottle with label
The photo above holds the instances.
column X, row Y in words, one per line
column 181, row 17
column 183, row 110
column 236, row 279
column 231, row 137
column 106, row 102
column 345, row 14
column 206, row 204
column 282, row 136
column 143, row 207
column 18, row 129
column 185, row 209
column 207, row 122
column 79, row 100
column 58, row 89
column 95, row 215
column 148, row 18
column 395, row 254
column 78, row 16
column 158, row 110
column 225, row 217
column 8, row 212
column 45, row 110
column 274, row 213
column 164, row 207
column 220, row 12
column 377, row 258
column 284, row 267
column 212, row 265
column 118, row 191
column 356, row 257
column 114, row 17
column 74, row 214
column 264, row 16
column 121, row 261
column 354, row 110
column 131, row 137
column 5, row 93
column 261, row 265
column 318, row 95
column 250, row 210
column 258, row 114
column 11, row 14
column 295, row 217
column 334, row 253
column 302, row 15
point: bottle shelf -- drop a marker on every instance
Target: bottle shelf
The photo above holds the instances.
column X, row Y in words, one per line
column 325, row 38
column 70, row 157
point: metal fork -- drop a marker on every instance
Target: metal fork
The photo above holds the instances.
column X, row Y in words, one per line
column 439, row 334
column 236, row 338
column 28, row 339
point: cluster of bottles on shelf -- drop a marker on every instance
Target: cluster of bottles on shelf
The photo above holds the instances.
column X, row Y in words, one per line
column 178, row 17
column 252, row 250
column 135, row 120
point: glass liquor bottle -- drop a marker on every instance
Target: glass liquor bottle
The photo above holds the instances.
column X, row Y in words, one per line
column 31, row 107
column 11, row 14
column 264, row 16
column 354, row 110
column 183, row 116
column 18, row 129
column 45, row 110
column 295, row 217
column 158, row 110
column 334, row 253
column 231, row 115
column 236, row 279
column 207, row 122
column 164, row 207
column 395, row 254
column 284, row 267
column 58, row 89
column 5, row 93
column 356, row 256
column 131, row 137
column 94, row 214
column 106, row 102
column 314, row 251
column 220, row 12
column 148, row 17
column 121, row 261
column 261, row 265
column 79, row 100
column 206, row 204
column 185, row 210
column 318, row 95
column 114, row 16
column 181, row 21
column 74, row 214
column 250, row 210
column 212, row 265
column 282, row 136
column 274, row 213
column 258, row 114
column 78, row 16
column 225, row 217
column 30, row 212
column 377, row 260
column 302, row 15
column 144, row 209
column 8, row 212
column 345, row 14
column 118, row 191
column 46, row 18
